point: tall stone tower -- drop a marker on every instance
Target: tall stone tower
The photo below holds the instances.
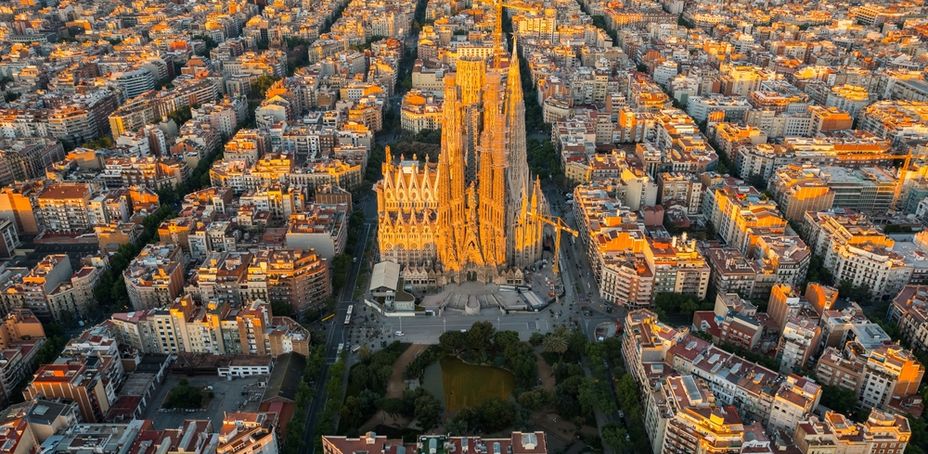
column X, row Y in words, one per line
column 523, row 199
column 473, row 215
column 471, row 78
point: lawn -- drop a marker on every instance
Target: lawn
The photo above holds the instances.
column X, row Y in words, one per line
column 464, row 385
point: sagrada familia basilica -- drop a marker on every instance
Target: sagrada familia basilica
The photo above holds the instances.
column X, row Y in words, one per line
column 475, row 215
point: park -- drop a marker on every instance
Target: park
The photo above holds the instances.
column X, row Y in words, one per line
column 483, row 381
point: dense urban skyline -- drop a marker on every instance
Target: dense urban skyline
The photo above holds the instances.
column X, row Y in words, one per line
column 334, row 226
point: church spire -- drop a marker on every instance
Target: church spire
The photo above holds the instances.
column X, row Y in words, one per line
column 498, row 35
column 516, row 156
column 387, row 163
column 451, row 179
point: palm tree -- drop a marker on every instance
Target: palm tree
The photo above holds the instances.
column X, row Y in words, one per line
column 555, row 343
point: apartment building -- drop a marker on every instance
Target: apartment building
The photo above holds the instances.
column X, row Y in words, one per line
column 794, row 401
column 731, row 271
column 223, row 116
column 645, row 343
column 729, row 108
column 322, row 228
column 248, row 432
column 780, row 259
column 733, row 320
column 19, row 205
column 220, row 276
column 882, row 432
column 299, row 278
column 616, row 245
column 295, row 277
column 797, row 189
column 83, row 117
column 892, row 374
column 681, row 416
column 205, row 238
column 516, row 443
column 150, row 106
column 251, row 432
column 902, row 122
column 214, row 328
column 882, row 377
column 65, row 208
column 855, row 251
column 72, row 381
column 51, row 289
column 21, row 337
column 680, row 188
column 247, row 144
column 851, row 149
column 740, row 80
column 909, row 311
column 779, row 401
column 155, row 173
column 786, row 302
column 679, row 266
column 23, row 159
column 740, row 212
column 799, row 339
column 279, row 200
column 866, row 189
column 155, row 277
column 849, row 98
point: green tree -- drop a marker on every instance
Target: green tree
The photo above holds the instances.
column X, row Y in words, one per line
column 210, row 44
column 341, row 264
column 99, row 142
column 566, row 396
column 838, row 399
column 478, row 334
column 281, row 308
column 856, row 293
column 678, row 304
column 616, row 437
column 593, row 395
column 54, row 344
column 555, row 343
column 536, row 339
column 454, row 342
column 262, row 84
column 393, row 407
column 180, row 116
column 185, row 396
column 427, row 411
column 432, row 136
column 535, row 399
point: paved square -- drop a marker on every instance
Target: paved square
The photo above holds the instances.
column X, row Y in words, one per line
column 239, row 394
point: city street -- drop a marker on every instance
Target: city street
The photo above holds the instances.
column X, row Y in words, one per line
column 427, row 330
column 576, row 272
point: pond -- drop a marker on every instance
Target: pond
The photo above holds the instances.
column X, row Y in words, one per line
column 460, row 385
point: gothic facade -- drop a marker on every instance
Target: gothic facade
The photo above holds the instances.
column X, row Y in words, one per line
column 473, row 215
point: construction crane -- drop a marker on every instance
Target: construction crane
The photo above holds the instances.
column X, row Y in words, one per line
column 903, row 170
column 559, row 226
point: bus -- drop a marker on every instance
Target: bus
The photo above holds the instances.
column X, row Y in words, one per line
column 348, row 314
column 328, row 317
column 338, row 352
